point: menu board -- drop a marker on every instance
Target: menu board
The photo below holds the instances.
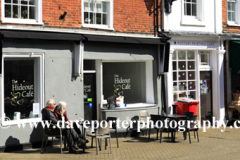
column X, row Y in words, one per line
column 125, row 79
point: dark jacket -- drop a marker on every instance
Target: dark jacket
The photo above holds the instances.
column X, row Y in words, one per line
column 49, row 116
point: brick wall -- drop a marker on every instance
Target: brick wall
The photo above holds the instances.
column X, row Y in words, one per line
column 131, row 16
column 226, row 28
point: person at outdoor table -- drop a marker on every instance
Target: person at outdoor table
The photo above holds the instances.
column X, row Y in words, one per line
column 60, row 112
column 71, row 135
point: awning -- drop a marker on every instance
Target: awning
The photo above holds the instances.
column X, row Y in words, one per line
column 234, row 52
column 43, row 35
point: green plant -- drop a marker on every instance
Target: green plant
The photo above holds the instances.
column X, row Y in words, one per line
column 7, row 13
column 15, row 16
column 24, row 14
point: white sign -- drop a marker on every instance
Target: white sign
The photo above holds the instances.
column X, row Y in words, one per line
column 194, row 43
column 35, row 108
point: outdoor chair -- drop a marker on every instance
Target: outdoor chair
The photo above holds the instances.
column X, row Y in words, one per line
column 134, row 128
column 114, row 119
column 193, row 123
column 163, row 118
column 60, row 135
column 154, row 119
column 143, row 116
column 103, row 133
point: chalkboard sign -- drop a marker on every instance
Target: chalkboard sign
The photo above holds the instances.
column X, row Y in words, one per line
column 126, row 79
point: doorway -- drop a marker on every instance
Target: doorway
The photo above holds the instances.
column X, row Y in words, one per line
column 206, row 95
column 90, row 109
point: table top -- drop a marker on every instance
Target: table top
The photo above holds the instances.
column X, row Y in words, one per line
column 175, row 116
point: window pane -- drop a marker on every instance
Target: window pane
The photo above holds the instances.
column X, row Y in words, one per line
column 86, row 19
column 229, row 16
column 15, row 11
column 229, row 6
column 181, row 65
column 91, row 18
column 99, row 7
column 7, row 1
column 91, row 6
column 105, row 6
column 31, row 2
column 191, row 65
column 104, row 19
column 86, row 6
column 191, row 75
column 24, row 2
column 204, row 59
column 175, row 96
column 192, row 94
column 32, row 13
column 126, row 79
column 182, row 95
column 233, row 16
column 175, row 86
column 181, row 55
column 8, row 11
column 174, row 76
column 24, row 12
column 98, row 19
column 188, row 9
column 174, row 57
column 182, row 75
column 15, row 1
column 233, row 6
column 191, row 85
column 194, row 1
column 18, row 88
column 190, row 55
column 174, row 65
column 194, row 10
column 182, row 86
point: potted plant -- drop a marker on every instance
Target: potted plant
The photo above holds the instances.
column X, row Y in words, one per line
column 7, row 13
column 24, row 14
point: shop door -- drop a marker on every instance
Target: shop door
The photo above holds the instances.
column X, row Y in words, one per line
column 90, row 108
column 206, row 95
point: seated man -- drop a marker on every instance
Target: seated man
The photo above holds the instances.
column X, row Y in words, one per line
column 71, row 135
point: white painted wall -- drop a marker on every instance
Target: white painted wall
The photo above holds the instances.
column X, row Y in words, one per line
column 211, row 17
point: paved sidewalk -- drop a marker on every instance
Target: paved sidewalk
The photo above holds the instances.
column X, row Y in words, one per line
column 213, row 144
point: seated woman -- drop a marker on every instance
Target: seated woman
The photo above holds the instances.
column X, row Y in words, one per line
column 60, row 112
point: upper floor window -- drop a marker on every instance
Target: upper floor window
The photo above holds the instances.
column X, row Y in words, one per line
column 190, row 8
column 98, row 14
column 22, row 11
column 192, row 12
column 233, row 12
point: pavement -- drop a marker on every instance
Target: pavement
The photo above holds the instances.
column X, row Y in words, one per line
column 213, row 144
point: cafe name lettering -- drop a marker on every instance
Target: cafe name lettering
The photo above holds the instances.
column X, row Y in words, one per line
column 27, row 90
column 125, row 83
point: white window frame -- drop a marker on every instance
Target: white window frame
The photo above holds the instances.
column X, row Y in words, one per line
column 41, row 85
column 37, row 21
column 110, row 22
column 237, row 14
column 186, row 70
column 198, row 20
column 208, row 66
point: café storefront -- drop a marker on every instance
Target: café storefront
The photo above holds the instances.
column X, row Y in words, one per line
column 81, row 70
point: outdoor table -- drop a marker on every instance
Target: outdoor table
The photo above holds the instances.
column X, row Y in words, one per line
column 174, row 117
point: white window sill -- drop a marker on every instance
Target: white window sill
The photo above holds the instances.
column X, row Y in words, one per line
column 105, row 27
column 193, row 23
column 15, row 122
column 21, row 21
column 233, row 24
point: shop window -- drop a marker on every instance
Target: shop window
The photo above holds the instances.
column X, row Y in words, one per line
column 22, row 11
column 126, row 79
column 233, row 7
column 98, row 13
column 23, row 88
column 192, row 12
column 184, row 74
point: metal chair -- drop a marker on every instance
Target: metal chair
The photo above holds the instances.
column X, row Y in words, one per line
column 114, row 119
column 154, row 119
column 103, row 133
column 52, row 135
column 192, row 127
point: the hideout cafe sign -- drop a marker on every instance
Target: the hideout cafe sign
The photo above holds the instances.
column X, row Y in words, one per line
column 120, row 85
column 21, row 93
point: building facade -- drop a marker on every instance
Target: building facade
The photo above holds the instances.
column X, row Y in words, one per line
column 196, row 62
column 81, row 52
